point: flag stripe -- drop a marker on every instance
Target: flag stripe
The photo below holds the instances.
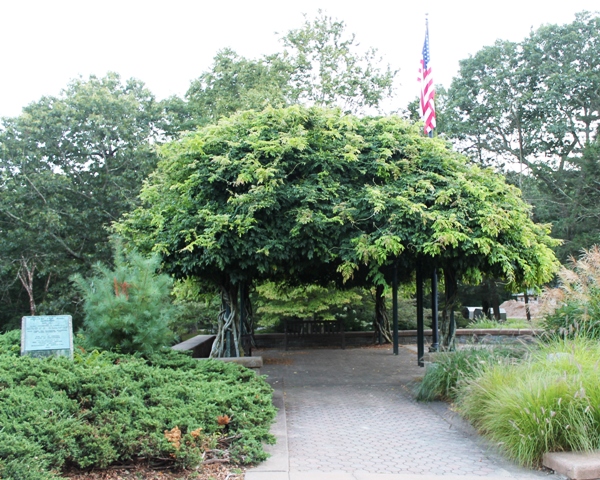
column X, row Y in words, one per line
column 427, row 102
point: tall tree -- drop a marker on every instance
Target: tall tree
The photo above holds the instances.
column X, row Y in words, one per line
column 321, row 64
column 328, row 68
column 236, row 83
column 71, row 165
column 534, row 103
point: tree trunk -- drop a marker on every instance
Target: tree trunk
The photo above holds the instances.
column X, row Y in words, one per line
column 26, row 276
column 228, row 340
column 495, row 298
column 448, row 326
column 381, row 325
column 527, row 311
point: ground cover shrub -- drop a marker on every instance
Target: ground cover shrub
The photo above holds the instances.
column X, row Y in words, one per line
column 105, row 408
column 573, row 309
column 548, row 402
column 450, row 368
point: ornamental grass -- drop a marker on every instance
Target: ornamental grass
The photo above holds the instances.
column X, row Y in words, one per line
column 547, row 402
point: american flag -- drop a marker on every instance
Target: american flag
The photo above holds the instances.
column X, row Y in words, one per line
column 427, row 89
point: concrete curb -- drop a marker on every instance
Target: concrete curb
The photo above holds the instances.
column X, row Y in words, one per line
column 277, row 466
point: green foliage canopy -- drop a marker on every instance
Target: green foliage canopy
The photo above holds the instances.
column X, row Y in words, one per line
column 306, row 194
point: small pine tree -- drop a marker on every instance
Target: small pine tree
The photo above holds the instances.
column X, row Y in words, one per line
column 127, row 309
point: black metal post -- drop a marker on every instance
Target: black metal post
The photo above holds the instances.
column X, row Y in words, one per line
column 395, row 306
column 435, row 331
column 420, row 320
column 378, row 315
column 228, row 332
column 242, row 294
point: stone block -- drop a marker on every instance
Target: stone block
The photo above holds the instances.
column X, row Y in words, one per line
column 575, row 465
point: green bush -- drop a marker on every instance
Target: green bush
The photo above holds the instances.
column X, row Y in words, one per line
column 574, row 307
column 550, row 402
column 450, row 368
column 103, row 408
column 127, row 309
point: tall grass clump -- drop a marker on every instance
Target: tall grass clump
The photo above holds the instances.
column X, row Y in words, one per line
column 549, row 402
column 573, row 309
column 450, row 368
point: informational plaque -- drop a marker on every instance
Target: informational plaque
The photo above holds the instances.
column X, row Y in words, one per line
column 45, row 336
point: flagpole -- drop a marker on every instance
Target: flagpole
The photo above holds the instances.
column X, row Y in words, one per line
column 430, row 134
column 427, row 104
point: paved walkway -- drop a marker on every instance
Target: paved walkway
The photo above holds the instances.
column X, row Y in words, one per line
column 350, row 415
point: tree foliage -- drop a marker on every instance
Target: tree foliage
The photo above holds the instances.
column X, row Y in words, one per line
column 320, row 64
column 537, row 103
column 235, row 83
column 313, row 302
column 328, row 68
column 70, row 165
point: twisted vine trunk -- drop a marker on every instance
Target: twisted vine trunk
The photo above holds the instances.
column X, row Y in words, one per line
column 448, row 326
column 235, row 329
column 383, row 330
column 228, row 339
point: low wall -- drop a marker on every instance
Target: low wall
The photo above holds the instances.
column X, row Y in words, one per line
column 405, row 337
column 200, row 345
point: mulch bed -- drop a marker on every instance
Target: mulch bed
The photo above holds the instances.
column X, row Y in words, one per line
column 139, row 472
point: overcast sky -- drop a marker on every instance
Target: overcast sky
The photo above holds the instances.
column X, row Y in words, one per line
column 45, row 44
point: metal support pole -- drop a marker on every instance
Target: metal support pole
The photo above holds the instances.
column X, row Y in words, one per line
column 379, row 298
column 228, row 332
column 242, row 291
column 420, row 320
column 395, row 306
column 435, row 331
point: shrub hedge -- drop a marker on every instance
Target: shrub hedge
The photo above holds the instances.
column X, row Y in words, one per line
column 103, row 408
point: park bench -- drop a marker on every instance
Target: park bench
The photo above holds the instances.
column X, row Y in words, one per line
column 316, row 331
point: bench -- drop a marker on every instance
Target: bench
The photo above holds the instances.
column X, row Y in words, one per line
column 317, row 330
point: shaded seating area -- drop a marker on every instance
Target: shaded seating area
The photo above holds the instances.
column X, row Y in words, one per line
column 314, row 332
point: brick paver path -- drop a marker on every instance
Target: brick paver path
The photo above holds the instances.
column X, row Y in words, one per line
column 353, row 411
